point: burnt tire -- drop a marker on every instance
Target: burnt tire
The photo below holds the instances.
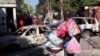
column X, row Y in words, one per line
column 87, row 34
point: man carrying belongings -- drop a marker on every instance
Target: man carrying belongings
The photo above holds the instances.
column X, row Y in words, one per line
column 65, row 36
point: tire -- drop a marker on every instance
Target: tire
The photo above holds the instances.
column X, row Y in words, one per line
column 86, row 35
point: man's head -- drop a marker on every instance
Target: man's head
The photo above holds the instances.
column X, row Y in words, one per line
column 67, row 15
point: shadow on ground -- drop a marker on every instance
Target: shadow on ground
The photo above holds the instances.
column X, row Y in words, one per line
column 37, row 51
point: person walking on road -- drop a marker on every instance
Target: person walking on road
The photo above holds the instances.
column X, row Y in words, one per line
column 67, row 17
column 63, row 32
column 66, row 37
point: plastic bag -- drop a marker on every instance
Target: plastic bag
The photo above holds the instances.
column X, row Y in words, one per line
column 60, row 33
column 52, row 48
column 73, row 46
column 72, row 28
column 48, row 44
column 54, row 39
column 61, row 30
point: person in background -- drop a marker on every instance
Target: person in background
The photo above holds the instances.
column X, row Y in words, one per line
column 37, row 21
column 21, row 24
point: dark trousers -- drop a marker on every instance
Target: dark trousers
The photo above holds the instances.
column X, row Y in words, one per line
column 66, row 54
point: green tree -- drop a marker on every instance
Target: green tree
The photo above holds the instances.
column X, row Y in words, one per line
column 73, row 5
column 81, row 3
column 66, row 4
column 24, row 7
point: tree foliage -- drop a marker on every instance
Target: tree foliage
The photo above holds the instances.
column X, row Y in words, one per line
column 85, row 2
column 65, row 4
column 24, row 7
column 72, row 5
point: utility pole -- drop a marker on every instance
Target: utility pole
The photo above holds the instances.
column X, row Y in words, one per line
column 28, row 5
column 50, row 14
column 48, row 3
column 62, row 17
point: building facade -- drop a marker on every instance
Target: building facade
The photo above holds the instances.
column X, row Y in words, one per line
column 8, row 14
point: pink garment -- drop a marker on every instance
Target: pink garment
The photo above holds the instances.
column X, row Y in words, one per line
column 61, row 30
column 21, row 23
column 72, row 27
column 68, row 27
column 37, row 21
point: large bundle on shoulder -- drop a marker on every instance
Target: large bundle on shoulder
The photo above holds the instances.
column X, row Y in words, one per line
column 55, row 44
column 72, row 28
column 68, row 28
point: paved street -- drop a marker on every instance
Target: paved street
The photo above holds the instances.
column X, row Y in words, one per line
column 26, row 24
column 87, row 50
